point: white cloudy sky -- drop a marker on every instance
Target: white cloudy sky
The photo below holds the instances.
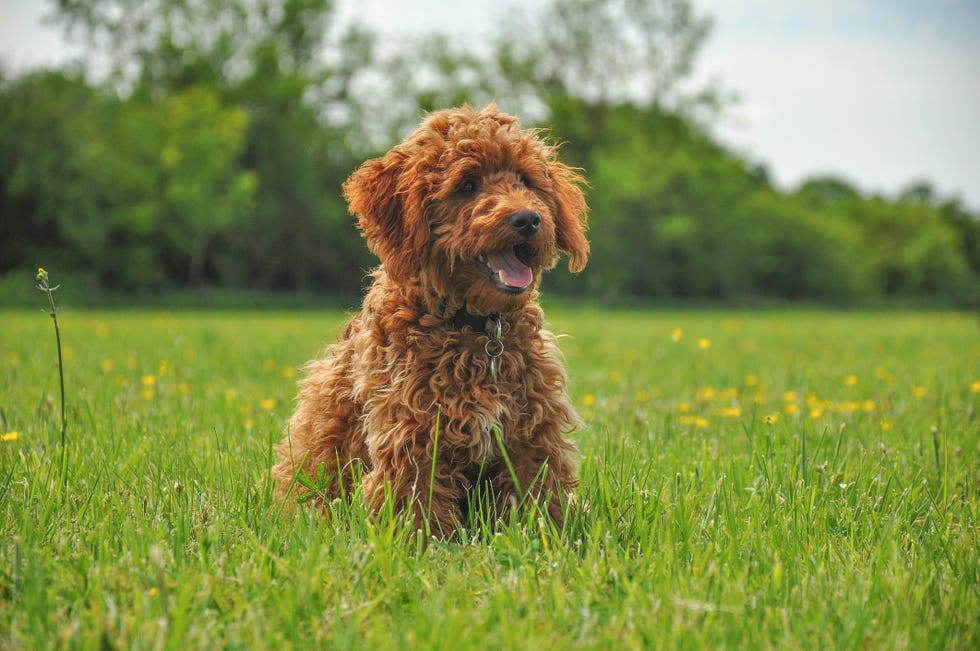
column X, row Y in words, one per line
column 880, row 92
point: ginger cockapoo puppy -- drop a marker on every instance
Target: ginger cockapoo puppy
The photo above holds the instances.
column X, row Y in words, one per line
column 446, row 379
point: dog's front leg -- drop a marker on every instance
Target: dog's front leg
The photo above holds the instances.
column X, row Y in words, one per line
column 415, row 483
column 536, row 475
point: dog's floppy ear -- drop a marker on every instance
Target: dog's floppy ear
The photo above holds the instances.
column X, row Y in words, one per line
column 571, row 219
column 390, row 219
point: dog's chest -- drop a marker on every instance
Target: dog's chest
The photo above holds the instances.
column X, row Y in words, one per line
column 479, row 405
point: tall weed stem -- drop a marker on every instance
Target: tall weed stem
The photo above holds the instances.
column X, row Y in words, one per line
column 42, row 284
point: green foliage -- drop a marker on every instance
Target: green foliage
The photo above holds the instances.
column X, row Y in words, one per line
column 214, row 152
column 41, row 180
column 686, row 219
column 205, row 193
column 779, row 480
column 796, row 253
column 911, row 246
column 132, row 190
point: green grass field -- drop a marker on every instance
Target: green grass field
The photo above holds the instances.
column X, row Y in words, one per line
column 788, row 480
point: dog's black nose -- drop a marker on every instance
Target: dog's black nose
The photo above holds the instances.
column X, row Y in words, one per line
column 526, row 223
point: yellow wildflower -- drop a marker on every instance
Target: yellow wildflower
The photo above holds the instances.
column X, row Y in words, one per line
column 868, row 406
column 107, row 366
column 149, row 380
column 10, row 436
column 886, row 425
column 919, row 392
column 731, row 412
column 704, row 343
column 771, row 419
column 751, row 380
column 147, row 394
column 816, row 413
column 697, row 421
column 588, row 400
column 975, row 386
column 268, row 404
column 676, row 334
column 851, row 381
column 289, row 372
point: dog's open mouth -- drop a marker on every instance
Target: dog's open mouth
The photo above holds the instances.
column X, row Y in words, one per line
column 508, row 268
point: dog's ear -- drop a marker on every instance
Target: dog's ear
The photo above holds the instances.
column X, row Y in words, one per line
column 571, row 220
column 389, row 217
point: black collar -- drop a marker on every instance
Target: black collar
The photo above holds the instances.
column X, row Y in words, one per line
column 478, row 322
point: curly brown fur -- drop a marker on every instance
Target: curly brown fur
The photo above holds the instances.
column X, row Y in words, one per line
column 464, row 214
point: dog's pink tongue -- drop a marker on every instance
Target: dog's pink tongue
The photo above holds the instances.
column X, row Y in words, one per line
column 509, row 269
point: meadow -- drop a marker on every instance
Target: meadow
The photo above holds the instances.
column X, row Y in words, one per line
column 749, row 480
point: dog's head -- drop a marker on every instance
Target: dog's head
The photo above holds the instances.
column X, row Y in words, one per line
column 472, row 206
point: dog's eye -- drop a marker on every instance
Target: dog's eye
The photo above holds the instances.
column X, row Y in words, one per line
column 525, row 181
column 467, row 187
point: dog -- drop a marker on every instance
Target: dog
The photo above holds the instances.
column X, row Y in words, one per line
column 446, row 381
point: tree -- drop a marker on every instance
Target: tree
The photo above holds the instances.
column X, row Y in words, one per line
column 605, row 52
column 293, row 72
column 967, row 224
column 827, row 193
column 131, row 190
column 40, row 117
column 203, row 190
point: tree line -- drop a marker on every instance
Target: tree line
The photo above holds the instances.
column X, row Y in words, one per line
column 211, row 148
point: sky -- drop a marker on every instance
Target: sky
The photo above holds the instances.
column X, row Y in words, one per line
column 880, row 93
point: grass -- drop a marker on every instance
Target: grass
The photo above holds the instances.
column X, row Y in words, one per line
column 797, row 479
